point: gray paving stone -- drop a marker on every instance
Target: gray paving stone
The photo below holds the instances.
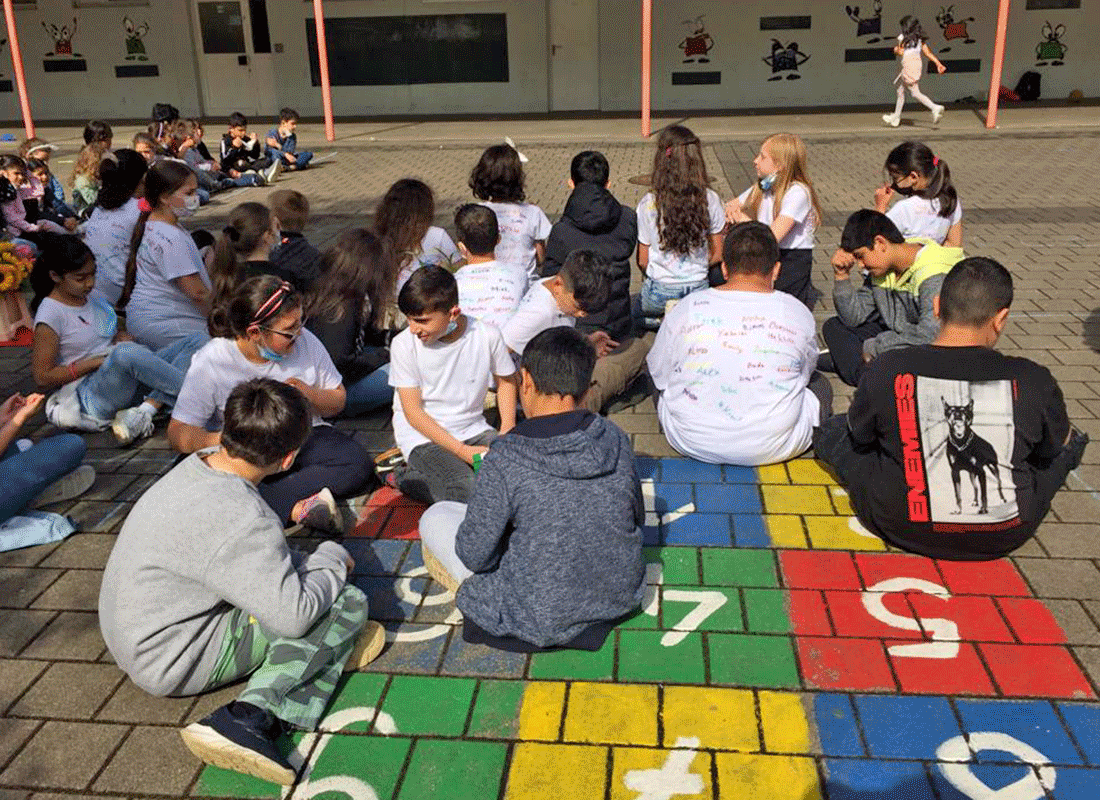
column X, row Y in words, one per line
column 14, row 733
column 1079, row 627
column 19, row 627
column 16, row 674
column 1076, row 506
column 1074, row 579
column 150, row 760
column 1090, row 659
column 68, row 691
column 133, row 704
column 1064, row 540
column 19, row 586
column 85, row 745
column 27, row 556
column 75, row 590
column 82, row 551
column 72, row 635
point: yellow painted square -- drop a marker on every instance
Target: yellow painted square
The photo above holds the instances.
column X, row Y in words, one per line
column 841, row 501
column 767, row 777
column 773, row 473
column 556, row 771
column 810, row 471
column 786, row 531
column 796, row 500
column 612, row 714
column 665, row 768
column 722, row 719
column 841, row 533
column 783, row 716
column 540, row 714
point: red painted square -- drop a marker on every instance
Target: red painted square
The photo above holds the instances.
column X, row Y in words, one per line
column 388, row 496
column 1032, row 670
column 815, row 569
column 807, row 613
column 976, row 617
column 371, row 520
column 1031, row 621
column 998, row 578
column 403, row 523
column 851, row 617
column 963, row 674
column 877, row 567
column 846, row 664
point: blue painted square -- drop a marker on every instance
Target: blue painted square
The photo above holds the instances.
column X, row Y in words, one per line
column 686, row 470
column 728, row 498
column 382, row 601
column 877, row 780
column 994, row 776
column 1084, row 724
column 414, row 561
column 421, row 657
column 1032, row 722
column 1076, row 783
column 836, row 725
column 376, row 556
column 749, row 530
column 906, row 727
column 702, row 530
column 477, row 659
column 648, row 468
column 732, row 474
column 671, row 497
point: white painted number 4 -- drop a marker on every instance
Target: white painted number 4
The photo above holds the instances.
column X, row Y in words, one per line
column 673, row 779
column 706, row 603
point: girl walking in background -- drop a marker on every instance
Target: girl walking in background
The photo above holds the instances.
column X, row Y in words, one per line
column 911, row 45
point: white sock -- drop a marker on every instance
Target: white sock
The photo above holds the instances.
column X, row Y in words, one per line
column 149, row 407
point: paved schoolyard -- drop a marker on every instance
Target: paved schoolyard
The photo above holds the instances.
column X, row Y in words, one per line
column 782, row 652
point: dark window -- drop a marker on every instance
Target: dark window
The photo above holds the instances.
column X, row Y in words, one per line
column 261, row 35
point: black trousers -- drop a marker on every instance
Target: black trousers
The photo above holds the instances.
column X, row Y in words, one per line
column 846, row 345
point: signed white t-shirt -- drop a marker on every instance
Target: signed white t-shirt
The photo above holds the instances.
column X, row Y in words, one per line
column 520, row 226
column 674, row 267
column 490, row 291
column 538, row 311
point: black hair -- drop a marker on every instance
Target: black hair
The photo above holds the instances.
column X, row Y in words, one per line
column 35, row 164
column 476, row 227
column 498, row 175
column 750, row 248
column 264, row 421
column 119, row 178
column 584, row 273
column 912, row 34
column 560, row 361
column 60, row 254
column 288, row 114
column 863, row 226
column 256, row 301
column 590, row 166
column 9, row 161
column 97, row 131
column 238, row 120
column 974, row 291
column 917, row 157
column 427, row 290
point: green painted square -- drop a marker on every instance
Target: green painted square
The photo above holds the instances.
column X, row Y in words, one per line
column 455, row 770
column 643, row 659
column 421, row 704
column 766, row 610
column 579, row 665
column 373, row 760
column 726, row 618
column 218, row 782
column 725, row 567
column 680, row 565
column 640, row 621
column 743, row 659
column 358, row 690
column 496, row 709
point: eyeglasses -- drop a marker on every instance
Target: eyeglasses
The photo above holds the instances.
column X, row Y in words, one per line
column 290, row 336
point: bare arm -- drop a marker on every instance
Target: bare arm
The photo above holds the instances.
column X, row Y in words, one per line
column 15, row 411
column 507, row 392
column 643, row 257
column 781, row 226
column 196, row 291
column 954, row 236
column 714, row 249
column 327, row 402
column 940, row 68
column 540, row 252
column 48, row 374
column 189, row 438
column 413, row 406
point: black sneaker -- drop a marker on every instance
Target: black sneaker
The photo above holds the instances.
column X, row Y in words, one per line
column 1078, row 441
column 240, row 737
column 388, row 462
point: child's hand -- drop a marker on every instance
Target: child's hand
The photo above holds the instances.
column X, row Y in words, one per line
column 18, row 409
column 304, row 388
column 70, row 223
column 237, row 141
column 882, row 197
column 234, row 173
column 290, row 159
column 940, row 67
column 842, row 261
column 603, row 343
column 9, row 407
column 469, row 451
column 734, row 212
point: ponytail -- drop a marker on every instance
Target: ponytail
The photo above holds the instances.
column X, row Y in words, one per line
column 248, row 222
column 940, row 188
column 918, row 157
column 131, row 260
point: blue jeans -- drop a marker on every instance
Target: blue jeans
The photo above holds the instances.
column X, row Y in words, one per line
column 655, row 294
column 25, row 475
column 128, row 368
column 369, row 392
column 301, row 160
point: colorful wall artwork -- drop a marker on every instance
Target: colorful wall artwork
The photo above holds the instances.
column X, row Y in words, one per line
column 62, row 58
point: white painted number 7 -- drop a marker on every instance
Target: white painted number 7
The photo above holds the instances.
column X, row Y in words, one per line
column 706, row 603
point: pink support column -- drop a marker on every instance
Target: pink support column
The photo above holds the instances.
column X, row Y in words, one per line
column 322, row 61
column 647, row 63
column 17, row 68
column 998, row 64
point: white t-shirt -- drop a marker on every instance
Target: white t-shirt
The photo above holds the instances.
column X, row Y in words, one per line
column 733, row 369
column 490, row 291
column 220, row 366
column 538, row 311
column 83, row 331
column 452, row 377
column 520, row 226
column 796, row 205
column 107, row 235
column 672, row 267
column 159, row 313
column 919, row 218
column 435, row 248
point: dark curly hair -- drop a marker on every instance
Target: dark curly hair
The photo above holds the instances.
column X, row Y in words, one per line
column 680, row 186
column 498, row 176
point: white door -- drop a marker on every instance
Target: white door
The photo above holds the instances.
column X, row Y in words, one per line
column 234, row 76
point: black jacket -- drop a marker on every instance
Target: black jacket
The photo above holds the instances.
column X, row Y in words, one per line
column 298, row 258
column 350, row 343
column 594, row 220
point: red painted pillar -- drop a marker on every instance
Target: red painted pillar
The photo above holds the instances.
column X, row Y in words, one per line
column 322, row 60
column 647, row 63
column 998, row 64
column 17, row 68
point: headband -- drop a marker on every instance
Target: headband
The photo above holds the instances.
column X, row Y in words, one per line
column 273, row 303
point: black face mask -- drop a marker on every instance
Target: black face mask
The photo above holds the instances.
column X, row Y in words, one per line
column 904, row 191
column 7, row 191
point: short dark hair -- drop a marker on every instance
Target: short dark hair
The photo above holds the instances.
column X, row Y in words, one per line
column 291, row 207
column 264, row 421
column 750, row 249
column 477, row 228
column 238, row 120
column 863, row 226
column 288, row 115
column 974, row 291
column 97, row 131
column 429, row 289
column 584, row 273
column 560, row 361
column 590, row 166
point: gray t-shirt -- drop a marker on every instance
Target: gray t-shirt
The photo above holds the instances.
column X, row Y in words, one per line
column 159, row 312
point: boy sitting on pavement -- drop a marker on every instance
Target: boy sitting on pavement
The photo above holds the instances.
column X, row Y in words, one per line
column 282, row 142
column 951, row 449
column 549, row 550
column 293, row 255
column 202, row 590
column 441, row 368
column 487, row 289
column 893, row 307
column 243, row 153
column 734, row 365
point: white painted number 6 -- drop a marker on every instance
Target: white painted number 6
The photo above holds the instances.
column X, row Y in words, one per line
column 1032, row 786
column 944, row 632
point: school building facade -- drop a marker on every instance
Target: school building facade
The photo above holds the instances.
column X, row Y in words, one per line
column 116, row 58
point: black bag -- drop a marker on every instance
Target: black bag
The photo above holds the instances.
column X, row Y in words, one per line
column 1028, row 86
column 165, row 112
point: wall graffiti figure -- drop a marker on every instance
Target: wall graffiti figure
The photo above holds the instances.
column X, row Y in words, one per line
column 135, row 47
column 869, row 26
column 1051, row 50
column 698, row 43
column 953, row 28
column 785, row 58
column 62, row 39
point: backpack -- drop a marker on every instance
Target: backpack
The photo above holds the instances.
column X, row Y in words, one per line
column 165, row 112
column 1028, row 86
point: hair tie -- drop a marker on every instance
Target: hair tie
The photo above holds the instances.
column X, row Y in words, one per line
column 935, row 161
column 144, row 207
column 668, row 151
column 233, row 234
column 273, row 302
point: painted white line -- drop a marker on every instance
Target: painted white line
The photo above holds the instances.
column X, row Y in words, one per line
column 1033, row 786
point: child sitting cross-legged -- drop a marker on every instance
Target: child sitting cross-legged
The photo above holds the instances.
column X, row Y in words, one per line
column 549, row 550
column 202, row 590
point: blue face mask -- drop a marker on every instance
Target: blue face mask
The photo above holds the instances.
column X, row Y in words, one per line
column 767, row 182
column 451, row 328
column 269, row 354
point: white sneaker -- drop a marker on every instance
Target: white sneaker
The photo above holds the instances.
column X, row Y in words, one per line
column 893, row 120
column 272, row 172
column 937, row 112
column 131, row 424
column 320, row 512
column 67, row 487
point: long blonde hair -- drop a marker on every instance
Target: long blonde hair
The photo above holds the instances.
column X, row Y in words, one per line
column 87, row 163
column 789, row 154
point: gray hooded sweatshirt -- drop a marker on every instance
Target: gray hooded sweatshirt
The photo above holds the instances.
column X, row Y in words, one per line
column 552, row 530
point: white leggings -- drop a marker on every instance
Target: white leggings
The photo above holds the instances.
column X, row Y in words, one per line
column 920, row 97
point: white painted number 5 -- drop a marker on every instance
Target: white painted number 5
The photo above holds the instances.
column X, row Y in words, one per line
column 944, row 632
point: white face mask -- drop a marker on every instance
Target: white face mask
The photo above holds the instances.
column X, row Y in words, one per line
column 190, row 205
